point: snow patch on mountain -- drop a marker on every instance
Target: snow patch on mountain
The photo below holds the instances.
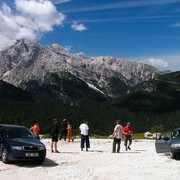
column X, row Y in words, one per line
column 93, row 87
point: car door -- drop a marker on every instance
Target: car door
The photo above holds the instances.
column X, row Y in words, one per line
column 162, row 143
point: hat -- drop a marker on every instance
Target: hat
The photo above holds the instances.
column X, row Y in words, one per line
column 128, row 123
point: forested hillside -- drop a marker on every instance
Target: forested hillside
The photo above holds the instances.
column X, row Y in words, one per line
column 150, row 104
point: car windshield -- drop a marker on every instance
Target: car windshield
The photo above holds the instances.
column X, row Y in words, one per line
column 18, row 132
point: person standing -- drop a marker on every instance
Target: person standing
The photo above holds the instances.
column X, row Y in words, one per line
column 63, row 129
column 54, row 132
column 117, row 135
column 35, row 129
column 84, row 129
column 128, row 131
column 69, row 132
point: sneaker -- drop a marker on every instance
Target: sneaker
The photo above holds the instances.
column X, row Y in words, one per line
column 129, row 148
column 81, row 149
column 126, row 149
column 52, row 151
column 86, row 149
column 57, row 151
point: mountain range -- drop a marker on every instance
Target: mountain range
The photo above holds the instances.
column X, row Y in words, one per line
column 54, row 72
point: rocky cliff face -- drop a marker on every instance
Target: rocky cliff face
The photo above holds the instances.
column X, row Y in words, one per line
column 28, row 61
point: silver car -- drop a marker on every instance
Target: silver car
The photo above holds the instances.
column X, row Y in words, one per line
column 169, row 142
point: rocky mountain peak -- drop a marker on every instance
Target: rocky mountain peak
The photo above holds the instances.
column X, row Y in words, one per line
column 26, row 61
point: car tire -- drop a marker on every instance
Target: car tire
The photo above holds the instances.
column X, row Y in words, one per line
column 172, row 155
column 5, row 156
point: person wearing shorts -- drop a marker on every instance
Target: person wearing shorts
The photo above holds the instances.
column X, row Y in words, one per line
column 54, row 132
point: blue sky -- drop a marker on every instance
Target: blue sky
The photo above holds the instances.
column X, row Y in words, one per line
column 145, row 31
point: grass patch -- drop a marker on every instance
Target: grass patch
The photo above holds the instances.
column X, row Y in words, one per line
column 96, row 136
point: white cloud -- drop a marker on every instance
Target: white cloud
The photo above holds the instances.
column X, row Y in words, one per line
column 158, row 63
column 173, row 61
column 81, row 54
column 68, row 48
column 29, row 20
column 78, row 27
column 60, row 1
column 175, row 25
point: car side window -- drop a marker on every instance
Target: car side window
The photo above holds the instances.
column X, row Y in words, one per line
column 166, row 135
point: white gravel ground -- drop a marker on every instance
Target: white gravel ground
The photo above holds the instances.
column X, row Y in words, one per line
column 142, row 163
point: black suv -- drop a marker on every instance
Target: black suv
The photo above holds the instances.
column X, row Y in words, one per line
column 18, row 143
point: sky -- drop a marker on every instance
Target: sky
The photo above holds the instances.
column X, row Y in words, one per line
column 146, row 31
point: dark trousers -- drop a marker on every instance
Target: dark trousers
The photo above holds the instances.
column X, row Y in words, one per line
column 126, row 140
column 85, row 139
column 63, row 134
column 118, row 142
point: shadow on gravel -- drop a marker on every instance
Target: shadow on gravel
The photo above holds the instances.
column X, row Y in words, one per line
column 29, row 164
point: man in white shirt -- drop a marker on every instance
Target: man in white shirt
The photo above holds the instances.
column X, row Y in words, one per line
column 117, row 135
column 84, row 135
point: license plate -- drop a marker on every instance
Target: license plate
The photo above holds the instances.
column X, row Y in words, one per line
column 32, row 154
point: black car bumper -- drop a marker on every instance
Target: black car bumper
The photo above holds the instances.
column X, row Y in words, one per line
column 26, row 155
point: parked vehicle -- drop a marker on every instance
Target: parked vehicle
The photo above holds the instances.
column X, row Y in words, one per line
column 17, row 143
column 169, row 142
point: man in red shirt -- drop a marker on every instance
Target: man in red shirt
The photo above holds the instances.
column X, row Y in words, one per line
column 128, row 131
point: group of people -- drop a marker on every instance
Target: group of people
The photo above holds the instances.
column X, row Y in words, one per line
column 66, row 132
column 118, row 134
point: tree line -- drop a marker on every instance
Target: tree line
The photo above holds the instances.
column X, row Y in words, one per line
column 101, row 115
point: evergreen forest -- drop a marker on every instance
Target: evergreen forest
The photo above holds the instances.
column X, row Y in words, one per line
column 146, row 110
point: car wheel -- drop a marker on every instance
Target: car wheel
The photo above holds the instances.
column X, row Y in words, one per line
column 5, row 156
column 172, row 155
